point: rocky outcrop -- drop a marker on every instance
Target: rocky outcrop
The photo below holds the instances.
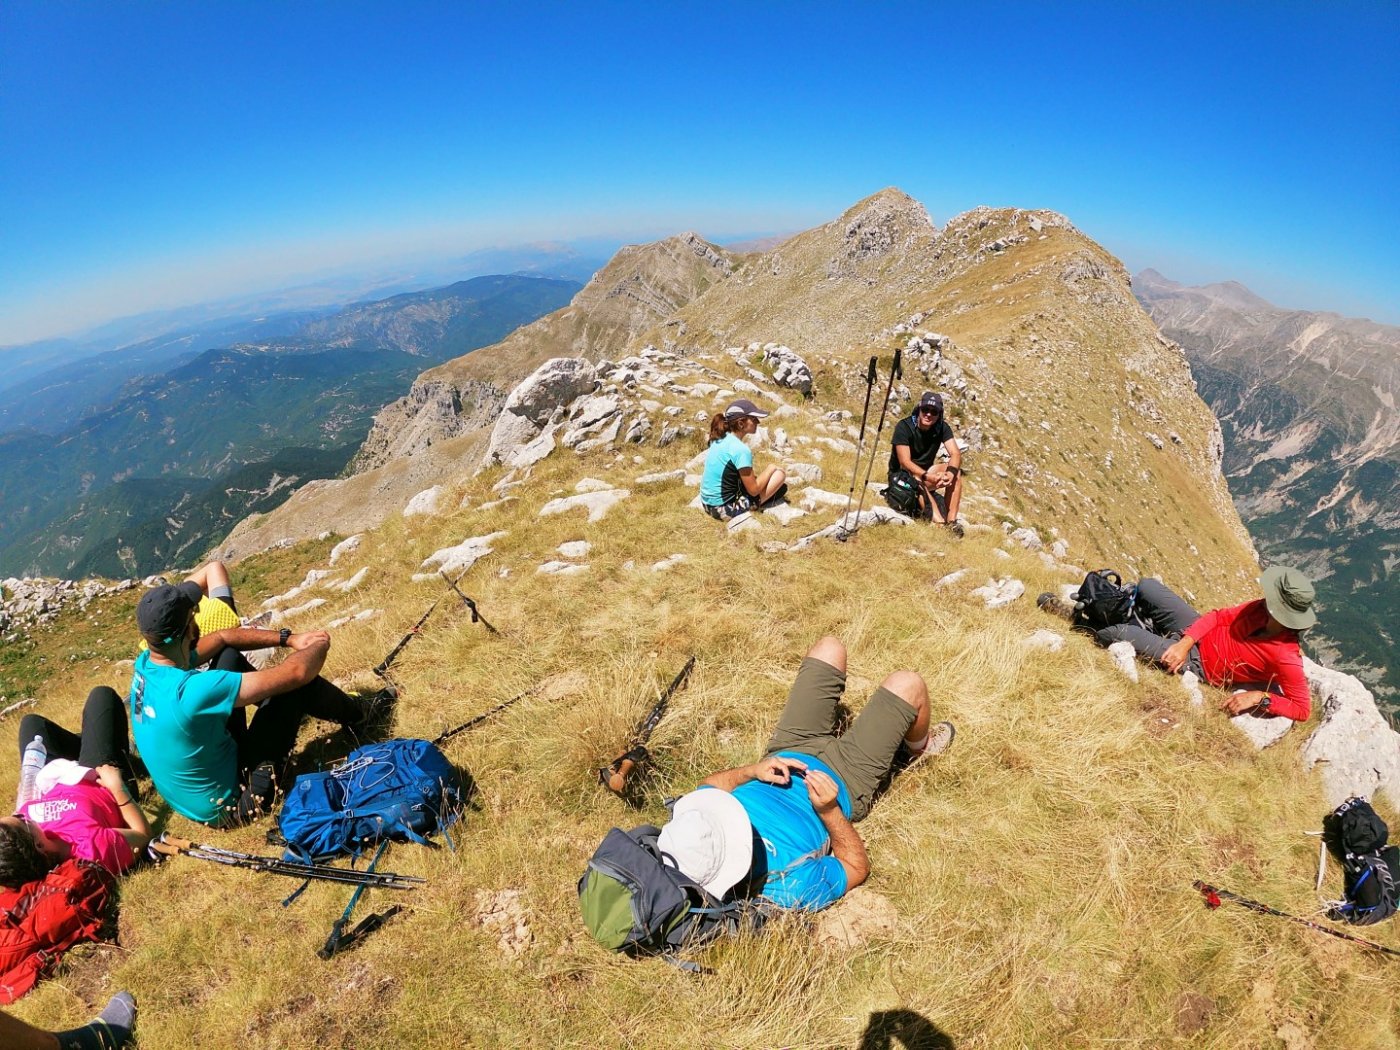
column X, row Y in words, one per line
column 31, row 601
column 1354, row 747
column 432, row 410
column 532, row 406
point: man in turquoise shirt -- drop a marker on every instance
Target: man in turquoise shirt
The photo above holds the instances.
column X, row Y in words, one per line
column 784, row 827
column 188, row 724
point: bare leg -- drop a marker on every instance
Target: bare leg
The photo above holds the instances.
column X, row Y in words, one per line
column 210, row 576
column 910, row 687
column 831, row 650
column 955, row 497
column 769, row 482
column 16, row 1035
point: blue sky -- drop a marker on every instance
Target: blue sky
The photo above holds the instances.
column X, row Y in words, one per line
column 159, row 154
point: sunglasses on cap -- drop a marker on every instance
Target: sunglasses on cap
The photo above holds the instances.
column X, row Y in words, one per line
column 928, row 411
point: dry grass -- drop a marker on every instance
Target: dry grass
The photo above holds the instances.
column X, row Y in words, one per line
column 1042, row 869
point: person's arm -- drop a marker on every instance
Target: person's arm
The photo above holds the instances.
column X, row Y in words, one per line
column 242, row 639
column 773, row 770
column 16, row 1035
column 846, row 844
column 137, row 831
column 297, row 670
column 906, row 461
column 749, row 480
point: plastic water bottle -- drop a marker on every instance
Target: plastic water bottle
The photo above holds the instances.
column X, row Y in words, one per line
column 35, row 756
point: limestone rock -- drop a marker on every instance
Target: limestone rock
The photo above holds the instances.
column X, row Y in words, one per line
column 596, row 503
column 575, row 549
column 1124, row 657
column 808, row 472
column 592, row 485
column 666, row 563
column 998, row 593
column 500, row 912
column 561, row 568
column 785, row 514
column 789, row 370
column 456, row 560
column 812, row 499
column 1358, row 751
column 346, row 547
column 359, row 617
column 1042, row 638
column 746, row 522
column 660, row 479
column 1028, row 538
column 949, row 580
column 353, row 581
column 1191, row 685
column 532, row 404
column 426, row 502
column 1262, row 732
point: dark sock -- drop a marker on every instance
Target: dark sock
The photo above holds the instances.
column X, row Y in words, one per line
column 110, row 1031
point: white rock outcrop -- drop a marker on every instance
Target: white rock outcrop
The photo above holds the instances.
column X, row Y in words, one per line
column 531, row 407
column 1353, row 745
column 458, row 559
column 1000, row 592
column 426, row 502
column 1124, row 657
column 596, row 503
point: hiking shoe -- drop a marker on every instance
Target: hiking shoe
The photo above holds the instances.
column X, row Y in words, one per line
column 940, row 738
column 1055, row 606
column 956, row 528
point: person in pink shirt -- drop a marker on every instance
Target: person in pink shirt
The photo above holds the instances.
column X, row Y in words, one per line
column 1252, row 648
column 84, row 807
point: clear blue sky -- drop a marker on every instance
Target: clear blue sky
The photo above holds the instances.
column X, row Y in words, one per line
column 156, row 154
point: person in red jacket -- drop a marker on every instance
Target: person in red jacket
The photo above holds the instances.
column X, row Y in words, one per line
column 1251, row 648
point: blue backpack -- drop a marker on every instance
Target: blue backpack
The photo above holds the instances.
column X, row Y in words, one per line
column 398, row 789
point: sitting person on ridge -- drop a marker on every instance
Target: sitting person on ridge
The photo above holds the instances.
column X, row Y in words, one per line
column 188, row 725
column 1251, row 648
column 729, row 486
column 913, row 462
column 80, row 804
column 783, row 828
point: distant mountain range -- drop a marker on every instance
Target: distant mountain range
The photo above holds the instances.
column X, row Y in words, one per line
column 160, row 467
column 1307, row 403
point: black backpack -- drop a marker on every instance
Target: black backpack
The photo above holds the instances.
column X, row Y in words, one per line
column 1102, row 601
column 633, row 903
column 1356, row 836
column 902, row 493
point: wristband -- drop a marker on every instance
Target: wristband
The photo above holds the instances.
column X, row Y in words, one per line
column 283, row 636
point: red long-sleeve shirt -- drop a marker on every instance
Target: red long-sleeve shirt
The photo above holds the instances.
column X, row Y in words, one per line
column 1229, row 656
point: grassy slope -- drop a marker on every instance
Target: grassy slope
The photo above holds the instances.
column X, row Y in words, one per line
column 1042, row 869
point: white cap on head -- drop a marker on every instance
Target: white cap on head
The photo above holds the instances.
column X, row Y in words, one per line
column 709, row 838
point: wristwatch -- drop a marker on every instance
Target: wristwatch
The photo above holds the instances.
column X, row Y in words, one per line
column 283, row 635
column 1264, row 704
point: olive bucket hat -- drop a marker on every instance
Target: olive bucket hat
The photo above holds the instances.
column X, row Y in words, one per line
column 1289, row 595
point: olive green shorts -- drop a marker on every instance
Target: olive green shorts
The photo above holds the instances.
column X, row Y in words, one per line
column 861, row 756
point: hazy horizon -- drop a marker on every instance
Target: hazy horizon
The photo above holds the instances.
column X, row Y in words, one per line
column 162, row 157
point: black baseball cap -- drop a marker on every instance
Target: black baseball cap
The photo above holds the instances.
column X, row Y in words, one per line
column 932, row 400
column 163, row 612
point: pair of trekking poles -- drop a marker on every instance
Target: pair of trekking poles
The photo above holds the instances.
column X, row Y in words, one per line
column 847, row 529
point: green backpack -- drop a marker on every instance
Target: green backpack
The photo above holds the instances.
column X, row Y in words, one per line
column 633, row 903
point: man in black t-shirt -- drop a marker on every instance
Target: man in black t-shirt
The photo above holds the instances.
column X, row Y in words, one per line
column 917, row 440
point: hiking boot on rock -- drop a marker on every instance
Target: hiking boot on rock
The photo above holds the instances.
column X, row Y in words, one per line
column 1055, row 606
column 956, row 528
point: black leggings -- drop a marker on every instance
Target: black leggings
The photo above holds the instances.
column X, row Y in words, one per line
column 272, row 734
column 103, row 740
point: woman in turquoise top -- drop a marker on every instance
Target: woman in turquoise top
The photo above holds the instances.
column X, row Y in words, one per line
column 729, row 486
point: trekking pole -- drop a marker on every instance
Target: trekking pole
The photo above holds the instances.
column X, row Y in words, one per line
column 614, row 775
column 382, row 670
column 333, row 942
column 476, row 613
column 1214, row 895
column 169, row 846
column 448, row 734
column 865, row 412
column 846, row 531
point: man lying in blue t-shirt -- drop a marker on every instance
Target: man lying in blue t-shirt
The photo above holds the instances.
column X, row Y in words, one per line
column 784, row 827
